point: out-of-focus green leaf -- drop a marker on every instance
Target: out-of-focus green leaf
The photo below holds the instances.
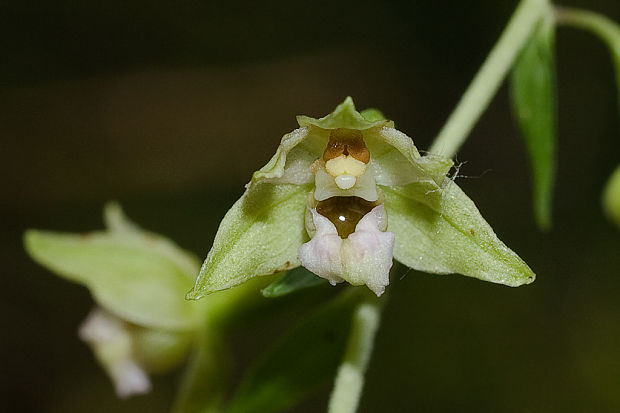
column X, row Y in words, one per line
column 306, row 357
column 259, row 235
column 449, row 238
column 292, row 281
column 611, row 197
column 138, row 276
column 533, row 96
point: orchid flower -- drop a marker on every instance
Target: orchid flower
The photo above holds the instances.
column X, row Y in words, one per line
column 343, row 196
column 140, row 323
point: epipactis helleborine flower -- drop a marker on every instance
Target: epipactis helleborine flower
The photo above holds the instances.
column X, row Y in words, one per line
column 141, row 323
column 342, row 196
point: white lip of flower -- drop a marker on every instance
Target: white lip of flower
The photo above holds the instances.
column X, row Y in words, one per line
column 112, row 344
column 363, row 258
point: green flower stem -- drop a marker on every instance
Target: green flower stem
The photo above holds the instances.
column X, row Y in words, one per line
column 600, row 25
column 350, row 378
column 489, row 77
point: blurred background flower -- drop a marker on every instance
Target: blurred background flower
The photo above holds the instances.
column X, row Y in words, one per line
column 170, row 108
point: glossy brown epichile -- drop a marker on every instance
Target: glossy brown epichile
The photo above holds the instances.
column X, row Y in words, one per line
column 344, row 212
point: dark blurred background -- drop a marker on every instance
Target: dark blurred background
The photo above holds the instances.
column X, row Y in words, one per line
column 169, row 107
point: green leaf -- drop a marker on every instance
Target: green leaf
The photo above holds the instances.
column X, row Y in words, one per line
column 533, row 96
column 611, row 197
column 301, row 361
column 450, row 238
column 259, row 235
column 292, row 281
column 139, row 276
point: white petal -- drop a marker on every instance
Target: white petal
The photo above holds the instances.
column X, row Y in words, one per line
column 129, row 379
column 364, row 258
column 367, row 253
column 321, row 255
column 111, row 341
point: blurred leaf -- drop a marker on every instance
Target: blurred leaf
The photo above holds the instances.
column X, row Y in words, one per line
column 450, row 238
column 306, row 357
column 139, row 276
column 259, row 235
column 292, row 281
column 533, row 95
column 611, row 197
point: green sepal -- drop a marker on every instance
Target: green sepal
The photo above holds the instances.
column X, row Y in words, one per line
column 259, row 235
column 344, row 116
column 533, row 97
column 294, row 280
column 136, row 275
column 450, row 238
column 303, row 359
column 275, row 168
column 398, row 161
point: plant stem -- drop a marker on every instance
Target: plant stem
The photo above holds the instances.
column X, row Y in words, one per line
column 350, row 378
column 600, row 25
column 489, row 77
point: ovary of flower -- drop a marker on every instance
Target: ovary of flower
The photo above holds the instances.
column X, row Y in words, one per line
column 112, row 344
column 363, row 258
column 345, row 170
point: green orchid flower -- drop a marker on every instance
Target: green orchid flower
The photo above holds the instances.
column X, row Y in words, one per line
column 343, row 196
column 140, row 323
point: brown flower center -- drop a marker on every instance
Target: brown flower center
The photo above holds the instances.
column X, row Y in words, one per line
column 344, row 212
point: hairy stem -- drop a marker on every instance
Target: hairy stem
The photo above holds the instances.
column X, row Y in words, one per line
column 489, row 77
